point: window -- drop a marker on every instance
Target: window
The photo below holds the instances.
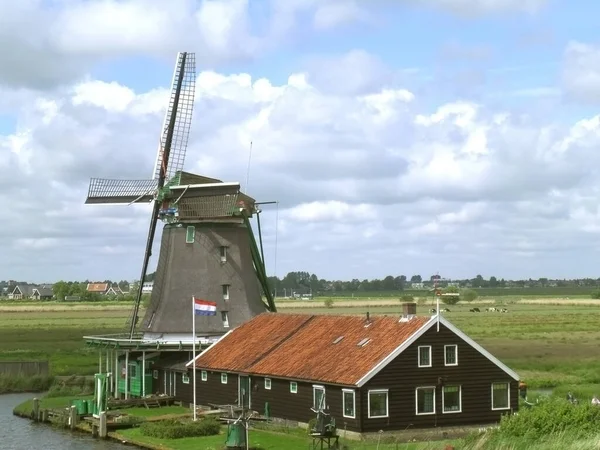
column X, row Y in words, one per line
column 318, row 397
column 348, row 397
column 425, row 356
column 185, row 378
column 225, row 292
column 204, row 375
column 267, row 383
column 155, row 374
column 223, row 253
column 132, row 370
column 293, row 387
column 223, row 378
column 451, row 355
column 451, row 399
column 225, row 319
column 500, row 395
column 190, row 235
column 425, row 400
column 378, row 403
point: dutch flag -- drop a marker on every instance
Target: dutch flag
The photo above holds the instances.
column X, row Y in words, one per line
column 204, row 307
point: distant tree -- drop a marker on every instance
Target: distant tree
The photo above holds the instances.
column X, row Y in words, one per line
column 388, row 283
column 469, row 295
column 407, row 298
column 451, row 290
column 450, row 299
column 416, row 279
column 493, row 282
column 328, row 302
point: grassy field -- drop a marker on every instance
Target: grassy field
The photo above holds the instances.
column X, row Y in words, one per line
column 550, row 341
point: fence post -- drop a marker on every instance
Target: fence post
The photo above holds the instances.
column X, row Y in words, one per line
column 73, row 417
column 102, row 431
column 36, row 409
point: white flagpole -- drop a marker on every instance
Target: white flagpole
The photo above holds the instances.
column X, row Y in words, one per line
column 194, row 352
column 438, row 312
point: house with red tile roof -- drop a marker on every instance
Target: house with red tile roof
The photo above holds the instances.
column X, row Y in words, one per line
column 98, row 288
column 371, row 373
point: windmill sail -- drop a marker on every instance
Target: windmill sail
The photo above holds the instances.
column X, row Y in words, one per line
column 181, row 104
column 104, row 190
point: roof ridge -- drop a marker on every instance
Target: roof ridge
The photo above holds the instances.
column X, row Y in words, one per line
column 286, row 338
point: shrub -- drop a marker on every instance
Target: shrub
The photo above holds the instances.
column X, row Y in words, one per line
column 551, row 416
column 469, row 295
column 595, row 295
column 175, row 429
column 450, row 299
column 328, row 302
column 36, row 383
column 407, row 298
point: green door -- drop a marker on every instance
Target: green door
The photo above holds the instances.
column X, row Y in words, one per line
column 244, row 394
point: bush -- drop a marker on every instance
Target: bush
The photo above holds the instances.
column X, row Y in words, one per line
column 469, row 295
column 549, row 417
column 328, row 302
column 175, row 429
column 407, row 298
column 450, row 299
column 595, row 295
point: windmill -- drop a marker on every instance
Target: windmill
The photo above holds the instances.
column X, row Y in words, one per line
column 208, row 249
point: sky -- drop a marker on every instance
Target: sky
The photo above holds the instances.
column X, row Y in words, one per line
column 398, row 137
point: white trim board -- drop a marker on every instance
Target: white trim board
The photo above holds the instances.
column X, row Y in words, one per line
column 208, row 349
column 429, row 324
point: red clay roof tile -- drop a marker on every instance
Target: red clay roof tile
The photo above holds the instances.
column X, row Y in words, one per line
column 301, row 346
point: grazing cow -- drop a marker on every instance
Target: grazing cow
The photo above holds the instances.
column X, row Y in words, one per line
column 432, row 310
column 445, row 310
column 504, row 310
column 474, row 310
column 491, row 309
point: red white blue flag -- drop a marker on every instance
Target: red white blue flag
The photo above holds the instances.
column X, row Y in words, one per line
column 204, row 307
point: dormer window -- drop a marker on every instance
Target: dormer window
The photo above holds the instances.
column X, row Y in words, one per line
column 223, row 251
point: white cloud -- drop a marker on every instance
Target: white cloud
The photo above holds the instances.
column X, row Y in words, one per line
column 369, row 178
column 581, row 74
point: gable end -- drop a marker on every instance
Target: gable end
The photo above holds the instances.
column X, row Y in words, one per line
column 433, row 321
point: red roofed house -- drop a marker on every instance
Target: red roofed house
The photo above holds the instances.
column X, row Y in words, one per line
column 378, row 373
column 98, row 288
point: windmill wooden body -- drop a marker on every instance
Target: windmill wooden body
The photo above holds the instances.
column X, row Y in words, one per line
column 208, row 249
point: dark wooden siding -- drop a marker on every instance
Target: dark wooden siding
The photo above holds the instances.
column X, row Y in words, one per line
column 474, row 373
column 283, row 404
column 212, row 391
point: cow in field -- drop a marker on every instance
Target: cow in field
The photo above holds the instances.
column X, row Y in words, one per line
column 474, row 310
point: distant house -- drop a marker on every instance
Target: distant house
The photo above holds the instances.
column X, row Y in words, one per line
column 378, row 373
column 113, row 290
column 43, row 292
column 21, row 292
column 417, row 285
column 147, row 287
column 98, row 288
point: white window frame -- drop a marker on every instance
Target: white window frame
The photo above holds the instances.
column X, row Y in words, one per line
column 320, row 387
column 459, row 399
column 223, row 378
column 455, row 355
column 492, row 396
column 387, row 402
column 268, row 384
column 190, row 229
column 184, row 377
column 203, row 375
column 353, row 392
column 419, row 356
column 417, row 400
column 223, row 253
column 293, row 387
column 225, row 319
column 225, row 291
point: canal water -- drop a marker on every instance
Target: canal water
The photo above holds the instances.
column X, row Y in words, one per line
column 22, row 434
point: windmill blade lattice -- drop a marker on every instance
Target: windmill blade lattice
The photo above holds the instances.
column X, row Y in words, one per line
column 183, row 119
column 104, row 190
